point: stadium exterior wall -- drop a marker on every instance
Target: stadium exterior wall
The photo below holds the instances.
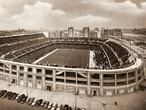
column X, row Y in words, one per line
column 119, row 81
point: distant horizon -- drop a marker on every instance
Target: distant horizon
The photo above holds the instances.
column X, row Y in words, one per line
column 35, row 29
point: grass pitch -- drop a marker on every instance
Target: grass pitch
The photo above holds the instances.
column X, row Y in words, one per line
column 68, row 57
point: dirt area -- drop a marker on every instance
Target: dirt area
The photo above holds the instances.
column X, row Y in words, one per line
column 132, row 101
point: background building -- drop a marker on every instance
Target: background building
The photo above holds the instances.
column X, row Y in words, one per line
column 71, row 32
column 86, row 32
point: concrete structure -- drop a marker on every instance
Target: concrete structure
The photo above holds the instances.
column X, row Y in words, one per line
column 80, row 80
column 86, row 32
column 106, row 82
column 115, row 32
column 46, row 33
column 140, row 31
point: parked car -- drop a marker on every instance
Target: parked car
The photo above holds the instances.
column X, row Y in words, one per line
column 42, row 104
column 27, row 100
column 14, row 96
column 38, row 102
column 10, row 96
column 17, row 97
column 24, row 99
column 33, row 103
column 50, row 106
column 46, row 103
column 2, row 93
column 20, row 98
column 54, row 106
column 6, row 94
column 59, row 107
column 65, row 107
column 30, row 100
column 69, row 108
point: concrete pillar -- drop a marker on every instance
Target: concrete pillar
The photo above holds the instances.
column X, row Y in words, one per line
column 25, row 80
column 18, row 74
column 34, row 81
column 136, row 78
column 10, row 74
column 34, row 70
column 88, row 84
column 76, row 82
column 115, row 83
column 142, row 73
column 64, row 80
column 34, row 78
column 127, row 82
column 25, row 75
column 101, row 84
column 54, row 80
column 43, row 79
column 143, row 70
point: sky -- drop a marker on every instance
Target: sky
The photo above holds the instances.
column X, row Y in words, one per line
column 59, row 14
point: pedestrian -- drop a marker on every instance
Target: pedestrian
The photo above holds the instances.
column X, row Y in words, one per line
column 116, row 103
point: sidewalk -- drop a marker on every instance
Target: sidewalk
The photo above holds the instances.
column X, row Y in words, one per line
column 133, row 101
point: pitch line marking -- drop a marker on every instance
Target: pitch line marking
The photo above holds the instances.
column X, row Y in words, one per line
column 44, row 56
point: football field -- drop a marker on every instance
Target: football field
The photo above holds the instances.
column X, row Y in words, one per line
column 67, row 57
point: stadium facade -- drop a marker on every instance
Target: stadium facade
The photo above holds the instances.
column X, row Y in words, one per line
column 91, row 81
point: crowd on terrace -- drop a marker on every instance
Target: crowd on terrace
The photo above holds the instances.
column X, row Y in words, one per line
column 29, row 48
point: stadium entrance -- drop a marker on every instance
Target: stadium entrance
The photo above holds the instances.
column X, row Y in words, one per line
column 48, row 88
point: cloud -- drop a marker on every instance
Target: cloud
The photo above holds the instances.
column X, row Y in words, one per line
column 122, row 14
column 38, row 15
column 126, row 6
column 2, row 12
column 53, row 14
column 89, row 20
column 143, row 5
column 17, row 6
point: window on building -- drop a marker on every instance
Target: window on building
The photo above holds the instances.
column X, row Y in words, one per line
column 21, row 68
column 39, row 70
column 21, row 74
column 14, row 73
column 48, row 79
column 38, row 77
column 1, row 64
column 29, row 69
column 14, row 67
column 48, row 72
column 29, row 76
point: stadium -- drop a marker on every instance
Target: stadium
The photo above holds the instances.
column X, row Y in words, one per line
column 81, row 65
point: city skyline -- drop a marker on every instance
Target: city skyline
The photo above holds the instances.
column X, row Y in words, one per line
column 59, row 14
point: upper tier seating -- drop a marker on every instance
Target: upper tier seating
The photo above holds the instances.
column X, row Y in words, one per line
column 20, row 45
column 29, row 48
column 122, row 52
column 15, row 39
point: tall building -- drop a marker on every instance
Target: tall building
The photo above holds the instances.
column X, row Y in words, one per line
column 86, row 32
column 116, row 32
column 139, row 31
column 105, row 33
column 61, row 34
column 93, row 34
column 71, row 32
column 77, row 34
column 97, row 32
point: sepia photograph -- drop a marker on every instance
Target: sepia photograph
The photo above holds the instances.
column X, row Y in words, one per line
column 72, row 54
